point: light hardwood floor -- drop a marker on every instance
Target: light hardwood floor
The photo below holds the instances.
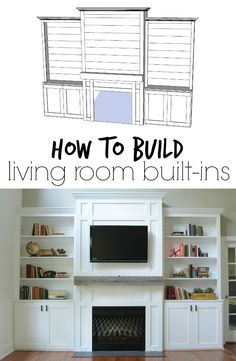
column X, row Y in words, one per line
column 228, row 354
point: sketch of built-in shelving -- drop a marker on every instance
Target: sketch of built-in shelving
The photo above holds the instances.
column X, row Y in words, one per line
column 119, row 65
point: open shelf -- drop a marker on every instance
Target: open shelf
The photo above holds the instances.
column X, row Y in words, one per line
column 190, row 279
column 53, row 220
column 192, row 258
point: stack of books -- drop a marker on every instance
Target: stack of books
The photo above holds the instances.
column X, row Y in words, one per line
column 193, row 230
column 33, row 293
column 41, row 230
column 177, row 293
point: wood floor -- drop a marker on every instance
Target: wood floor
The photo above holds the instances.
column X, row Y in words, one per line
column 228, row 354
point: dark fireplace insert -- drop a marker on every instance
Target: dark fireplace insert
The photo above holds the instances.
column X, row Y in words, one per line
column 118, row 329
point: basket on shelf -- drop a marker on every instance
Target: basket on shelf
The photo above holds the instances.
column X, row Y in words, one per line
column 203, row 296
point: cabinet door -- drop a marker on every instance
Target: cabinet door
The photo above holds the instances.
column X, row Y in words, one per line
column 178, row 330
column 208, row 319
column 156, row 107
column 179, row 109
column 73, row 102
column 29, row 326
column 53, row 100
column 60, row 319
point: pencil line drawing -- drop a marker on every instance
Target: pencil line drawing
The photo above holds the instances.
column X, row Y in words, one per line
column 119, row 65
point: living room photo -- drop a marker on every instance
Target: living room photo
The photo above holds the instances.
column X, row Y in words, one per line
column 145, row 274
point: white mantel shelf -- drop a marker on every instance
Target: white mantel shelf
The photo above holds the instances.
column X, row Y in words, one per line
column 129, row 280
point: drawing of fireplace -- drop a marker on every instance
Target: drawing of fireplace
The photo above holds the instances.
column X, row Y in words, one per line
column 119, row 65
column 118, row 328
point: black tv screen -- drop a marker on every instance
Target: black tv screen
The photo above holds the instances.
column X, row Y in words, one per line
column 118, row 243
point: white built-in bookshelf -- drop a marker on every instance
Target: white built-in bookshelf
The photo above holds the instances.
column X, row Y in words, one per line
column 59, row 235
column 187, row 254
column 192, row 270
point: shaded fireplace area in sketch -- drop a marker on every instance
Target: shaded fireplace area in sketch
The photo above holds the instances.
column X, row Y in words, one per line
column 118, row 328
column 111, row 106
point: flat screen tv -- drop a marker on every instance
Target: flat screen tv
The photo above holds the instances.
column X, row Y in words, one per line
column 114, row 243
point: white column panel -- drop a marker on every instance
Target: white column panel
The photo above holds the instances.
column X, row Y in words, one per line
column 156, row 328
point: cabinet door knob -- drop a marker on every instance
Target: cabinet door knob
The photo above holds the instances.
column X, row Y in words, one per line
column 47, row 308
column 41, row 307
column 196, row 308
column 191, row 308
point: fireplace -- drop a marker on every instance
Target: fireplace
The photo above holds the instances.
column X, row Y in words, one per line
column 113, row 97
column 122, row 285
column 113, row 106
column 118, row 328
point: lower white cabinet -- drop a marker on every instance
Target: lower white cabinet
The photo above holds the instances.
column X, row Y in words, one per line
column 53, row 100
column 73, row 101
column 168, row 107
column 63, row 100
column 44, row 325
column 193, row 325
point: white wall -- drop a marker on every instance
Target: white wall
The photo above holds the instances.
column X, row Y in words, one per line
column 212, row 198
column 9, row 201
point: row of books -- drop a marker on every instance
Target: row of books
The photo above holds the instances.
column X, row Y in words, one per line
column 33, row 293
column 177, row 293
column 34, row 271
column 192, row 272
column 202, row 272
column 41, row 230
column 38, row 272
column 189, row 250
column 194, row 230
column 198, row 272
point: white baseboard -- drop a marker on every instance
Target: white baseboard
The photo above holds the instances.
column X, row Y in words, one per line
column 6, row 350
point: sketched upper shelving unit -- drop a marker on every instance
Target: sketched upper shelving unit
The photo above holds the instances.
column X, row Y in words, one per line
column 119, row 65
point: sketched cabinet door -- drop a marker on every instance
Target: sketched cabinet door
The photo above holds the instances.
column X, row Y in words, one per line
column 53, row 100
column 179, row 109
column 156, row 107
column 73, row 102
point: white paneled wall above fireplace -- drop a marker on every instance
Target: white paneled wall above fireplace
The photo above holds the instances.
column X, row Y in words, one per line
column 119, row 208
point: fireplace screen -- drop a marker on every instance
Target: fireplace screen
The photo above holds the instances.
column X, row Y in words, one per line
column 111, row 106
column 118, row 328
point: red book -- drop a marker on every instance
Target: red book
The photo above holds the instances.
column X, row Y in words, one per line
column 35, row 293
column 176, row 293
column 168, row 292
column 30, row 271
